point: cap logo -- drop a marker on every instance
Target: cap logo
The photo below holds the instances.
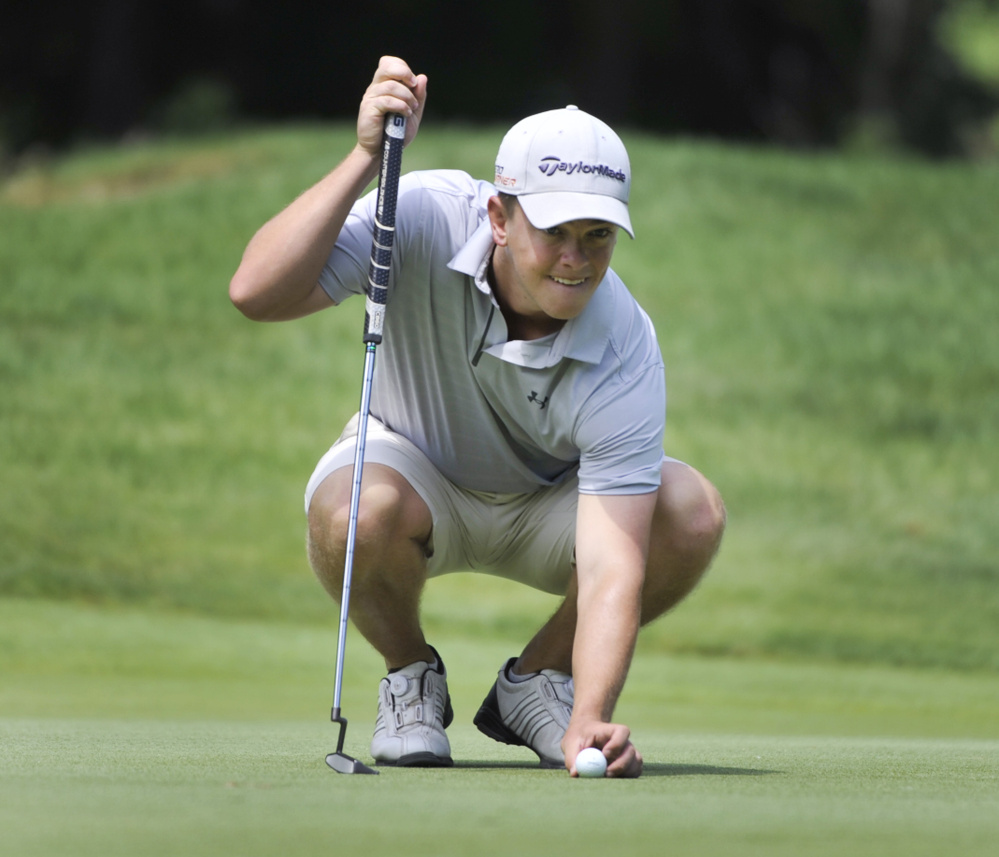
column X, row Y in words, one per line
column 552, row 164
column 506, row 181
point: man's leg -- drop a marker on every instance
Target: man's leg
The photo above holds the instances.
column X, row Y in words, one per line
column 390, row 557
column 389, row 571
column 686, row 533
column 531, row 701
column 687, row 528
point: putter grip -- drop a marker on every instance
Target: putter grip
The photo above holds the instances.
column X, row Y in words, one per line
column 381, row 245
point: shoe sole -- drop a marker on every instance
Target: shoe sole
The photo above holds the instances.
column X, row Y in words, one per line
column 418, row 760
column 489, row 722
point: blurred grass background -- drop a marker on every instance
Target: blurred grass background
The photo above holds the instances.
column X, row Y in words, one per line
column 827, row 322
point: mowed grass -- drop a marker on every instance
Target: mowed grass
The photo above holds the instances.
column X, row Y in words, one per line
column 826, row 322
column 120, row 788
column 128, row 731
column 827, row 325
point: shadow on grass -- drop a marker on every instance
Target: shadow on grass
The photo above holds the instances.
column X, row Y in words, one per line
column 493, row 765
column 659, row 769
column 650, row 769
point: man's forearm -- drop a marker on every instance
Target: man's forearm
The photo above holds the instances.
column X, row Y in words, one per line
column 611, row 550
column 607, row 623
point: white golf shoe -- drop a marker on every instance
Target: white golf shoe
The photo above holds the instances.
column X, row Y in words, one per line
column 531, row 713
column 414, row 708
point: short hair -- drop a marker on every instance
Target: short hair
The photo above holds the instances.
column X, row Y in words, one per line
column 508, row 201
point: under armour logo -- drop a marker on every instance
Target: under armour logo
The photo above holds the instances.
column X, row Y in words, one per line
column 541, row 403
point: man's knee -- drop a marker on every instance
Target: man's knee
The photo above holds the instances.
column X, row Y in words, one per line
column 389, row 510
column 696, row 508
column 686, row 531
column 690, row 516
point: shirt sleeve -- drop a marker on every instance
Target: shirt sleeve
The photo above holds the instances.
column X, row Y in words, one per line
column 421, row 197
column 620, row 430
column 346, row 270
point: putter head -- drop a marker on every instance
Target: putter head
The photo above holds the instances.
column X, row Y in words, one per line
column 340, row 761
column 344, row 764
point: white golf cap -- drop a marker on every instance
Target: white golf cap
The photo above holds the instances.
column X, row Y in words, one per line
column 566, row 165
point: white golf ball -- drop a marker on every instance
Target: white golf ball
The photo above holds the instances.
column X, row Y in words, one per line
column 591, row 763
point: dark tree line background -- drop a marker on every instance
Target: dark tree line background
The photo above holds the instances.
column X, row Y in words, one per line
column 805, row 73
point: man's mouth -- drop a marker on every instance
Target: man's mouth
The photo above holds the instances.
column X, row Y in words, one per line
column 567, row 282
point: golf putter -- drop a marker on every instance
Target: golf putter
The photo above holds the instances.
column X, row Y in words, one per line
column 374, row 318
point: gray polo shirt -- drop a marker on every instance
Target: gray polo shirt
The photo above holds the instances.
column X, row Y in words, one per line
column 491, row 414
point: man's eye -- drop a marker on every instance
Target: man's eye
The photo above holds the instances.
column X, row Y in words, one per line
column 552, row 230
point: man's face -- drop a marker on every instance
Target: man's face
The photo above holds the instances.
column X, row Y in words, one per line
column 544, row 277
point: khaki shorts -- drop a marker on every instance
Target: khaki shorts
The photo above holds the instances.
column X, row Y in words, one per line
column 528, row 538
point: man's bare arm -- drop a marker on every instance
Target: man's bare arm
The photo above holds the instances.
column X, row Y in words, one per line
column 612, row 539
column 278, row 277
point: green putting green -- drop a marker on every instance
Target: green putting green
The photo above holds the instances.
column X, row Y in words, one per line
column 131, row 732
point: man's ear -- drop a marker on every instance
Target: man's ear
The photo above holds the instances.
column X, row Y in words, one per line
column 497, row 220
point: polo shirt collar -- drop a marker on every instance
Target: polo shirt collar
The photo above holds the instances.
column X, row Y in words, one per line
column 473, row 258
column 583, row 338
